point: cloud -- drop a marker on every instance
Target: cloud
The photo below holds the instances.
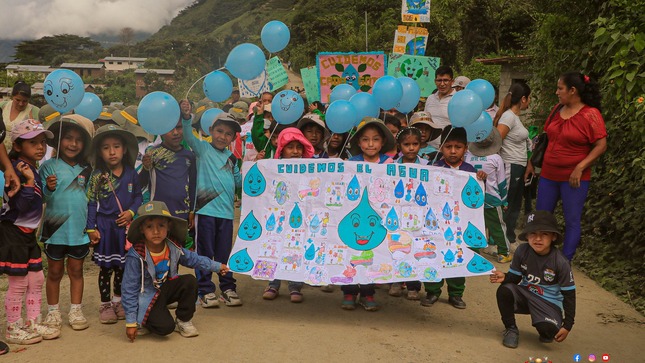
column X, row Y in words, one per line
column 33, row 19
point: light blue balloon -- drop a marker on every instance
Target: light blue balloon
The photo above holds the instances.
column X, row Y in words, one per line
column 365, row 106
column 63, row 90
column 387, row 91
column 275, row 36
column 341, row 116
column 484, row 90
column 218, row 86
column 480, row 129
column 207, row 119
column 411, row 94
column 90, row 106
column 287, row 107
column 246, row 61
column 158, row 113
column 342, row 92
column 464, row 108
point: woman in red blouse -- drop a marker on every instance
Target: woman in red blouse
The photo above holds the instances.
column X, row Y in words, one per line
column 577, row 138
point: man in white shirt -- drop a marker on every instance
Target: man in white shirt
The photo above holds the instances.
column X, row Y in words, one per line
column 437, row 103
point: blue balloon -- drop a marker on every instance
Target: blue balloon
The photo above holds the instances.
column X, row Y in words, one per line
column 275, row 36
column 246, row 61
column 63, row 90
column 287, row 107
column 90, row 106
column 411, row 94
column 342, row 92
column 341, row 116
column 158, row 113
column 218, row 86
column 464, row 108
column 365, row 105
column 207, row 119
column 387, row 91
column 484, row 90
column 480, row 129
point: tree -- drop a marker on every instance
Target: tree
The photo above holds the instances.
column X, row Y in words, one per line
column 56, row 49
column 126, row 35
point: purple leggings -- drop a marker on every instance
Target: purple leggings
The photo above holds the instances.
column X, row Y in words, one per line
column 573, row 202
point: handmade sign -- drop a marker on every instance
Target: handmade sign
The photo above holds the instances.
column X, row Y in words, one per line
column 342, row 222
column 421, row 69
column 273, row 77
column 415, row 11
column 410, row 40
column 359, row 70
column 310, row 80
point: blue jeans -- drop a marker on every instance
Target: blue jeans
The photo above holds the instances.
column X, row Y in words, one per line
column 515, row 180
column 293, row 285
column 214, row 239
column 573, row 202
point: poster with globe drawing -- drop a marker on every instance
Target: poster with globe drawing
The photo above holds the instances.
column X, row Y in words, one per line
column 410, row 40
column 421, row 69
column 342, row 222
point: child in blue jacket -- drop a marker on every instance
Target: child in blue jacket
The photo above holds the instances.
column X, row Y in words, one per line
column 151, row 280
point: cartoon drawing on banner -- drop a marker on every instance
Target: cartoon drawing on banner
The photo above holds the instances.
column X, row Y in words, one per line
column 254, row 182
column 399, row 244
column 361, row 228
column 365, row 258
column 311, row 190
column 405, row 270
column 295, row 218
column 378, row 190
column 430, row 274
column 346, row 278
column 420, row 196
column 353, row 189
column 449, row 236
column 334, row 192
column 412, row 218
column 291, row 259
column 446, row 214
column 316, row 275
column 442, row 185
column 399, row 191
column 424, row 249
column 381, row 272
column 281, row 192
column 392, row 220
column 474, row 238
column 336, row 255
column 240, row 261
column 250, row 228
column 478, row 264
column 472, row 195
column 431, row 221
column 265, row 270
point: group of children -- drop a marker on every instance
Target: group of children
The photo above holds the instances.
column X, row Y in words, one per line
column 192, row 182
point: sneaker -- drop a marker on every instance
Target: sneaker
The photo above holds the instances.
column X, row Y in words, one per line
column 490, row 250
column 16, row 334
column 457, row 302
column 296, row 296
column 209, row 300
column 107, row 314
column 412, row 295
column 172, row 306
column 511, row 337
column 429, row 299
column 54, row 319
column 142, row 330
column 47, row 333
column 77, row 320
column 186, row 329
column 505, row 258
column 327, row 288
column 349, row 302
column 270, row 293
column 230, row 298
column 396, row 290
column 118, row 310
column 369, row 303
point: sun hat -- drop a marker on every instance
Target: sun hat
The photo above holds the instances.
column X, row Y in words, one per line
column 47, row 115
column 128, row 120
column 28, row 129
column 489, row 146
column 389, row 144
column 227, row 118
column 293, row 134
column 238, row 109
column 540, row 221
column 461, row 81
column 202, row 106
column 130, row 140
column 423, row 117
column 154, row 208
column 83, row 124
column 106, row 113
column 314, row 118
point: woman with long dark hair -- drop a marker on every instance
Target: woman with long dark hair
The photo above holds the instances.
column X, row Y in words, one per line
column 18, row 108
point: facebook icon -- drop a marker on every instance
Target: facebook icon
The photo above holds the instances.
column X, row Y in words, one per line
column 577, row 357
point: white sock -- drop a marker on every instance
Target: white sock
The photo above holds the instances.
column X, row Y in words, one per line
column 52, row 307
column 116, row 299
column 75, row 307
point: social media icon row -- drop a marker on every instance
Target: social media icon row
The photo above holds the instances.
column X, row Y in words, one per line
column 591, row 358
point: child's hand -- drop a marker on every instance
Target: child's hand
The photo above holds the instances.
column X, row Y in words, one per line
column 25, row 170
column 260, row 155
column 131, row 333
column 191, row 220
column 562, row 335
column 481, row 175
column 497, row 277
column 52, row 181
column 124, row 219
column 12, row 181
column 259, row 108
column 95, row 237
column 146, row 161
column 224, row 270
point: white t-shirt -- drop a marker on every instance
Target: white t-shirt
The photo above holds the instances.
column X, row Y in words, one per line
column 514, row 144
column 438, row 110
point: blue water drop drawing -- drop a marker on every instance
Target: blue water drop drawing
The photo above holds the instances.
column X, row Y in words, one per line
column 478, row 264
column 449, row 235
column 361, row 228
column 254, row 182
column 295, row 218
column 250, row 228
column 420, row 196
column 392, row 220
column 399, row 190
column 448, row 257
column 353, row 189
column 446, row 212
column 315, row 224
column 270, row 225
column 240, row 261
column 431, row 221
column 474, row 237
column 310, row 253
column 472, row 195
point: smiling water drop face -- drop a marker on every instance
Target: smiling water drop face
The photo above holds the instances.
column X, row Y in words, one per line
column 250, row 228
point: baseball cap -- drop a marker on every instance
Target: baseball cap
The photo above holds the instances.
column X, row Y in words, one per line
column 28, row 129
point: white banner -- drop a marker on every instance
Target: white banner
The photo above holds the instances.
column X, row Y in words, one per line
column 341, row 222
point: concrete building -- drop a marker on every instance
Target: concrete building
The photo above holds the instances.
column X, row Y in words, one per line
column 16, row 70
column 117, row 64
column 96, row 70
column 166, row 75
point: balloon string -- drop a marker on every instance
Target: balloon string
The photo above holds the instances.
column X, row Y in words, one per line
column 441, row 145
column 346, row 141
column 60, row 135
column 270, row 136
column 200, row 78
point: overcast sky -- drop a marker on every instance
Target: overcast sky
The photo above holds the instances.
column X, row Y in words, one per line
column 32, row 19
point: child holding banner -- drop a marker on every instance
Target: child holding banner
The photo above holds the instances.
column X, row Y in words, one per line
column 291, row 144
column 371, row 140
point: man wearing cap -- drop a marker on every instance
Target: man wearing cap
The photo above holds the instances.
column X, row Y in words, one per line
column 437, row 103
